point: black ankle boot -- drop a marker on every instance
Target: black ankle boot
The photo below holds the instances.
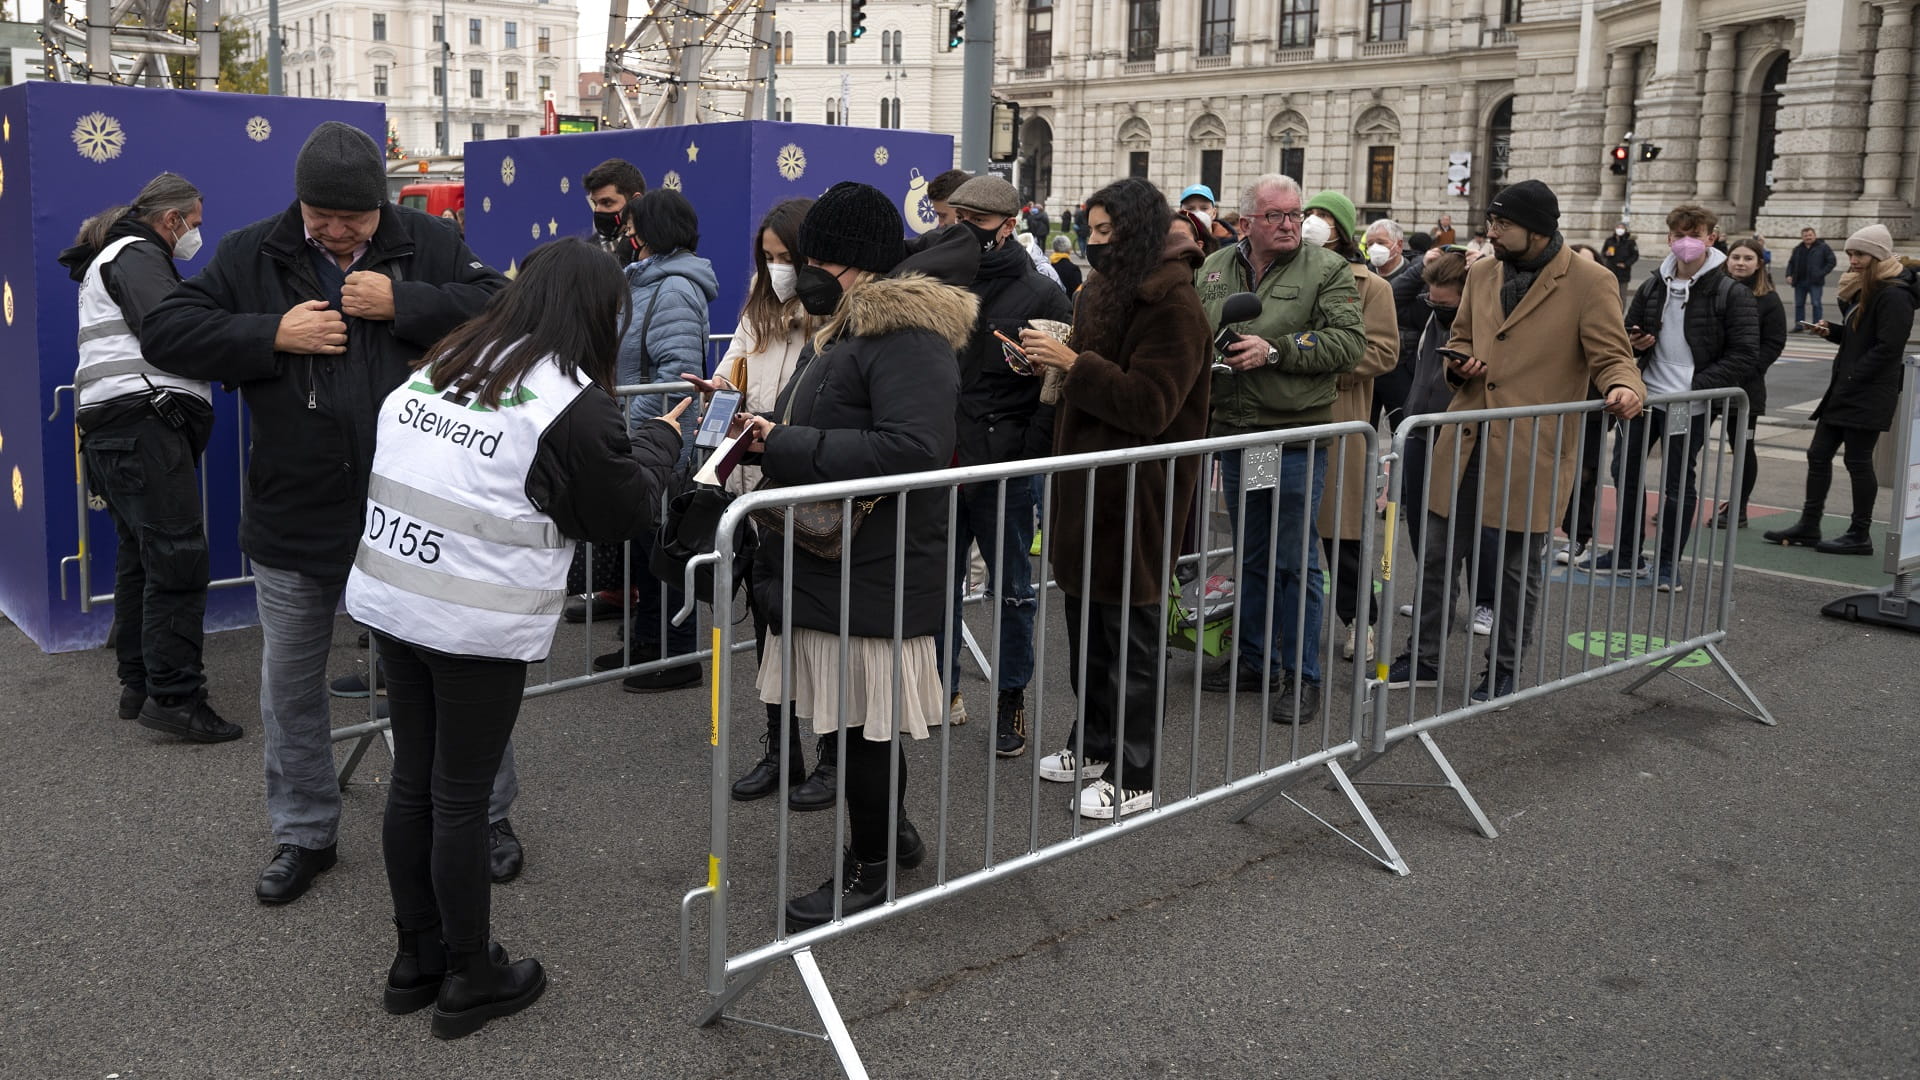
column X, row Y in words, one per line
column 419, row 967
column 1802, row 533
column 764, row 778
column 818, row 790
column 1857, row 540
column 908, row 849
column 863, row 885
column 478, row 989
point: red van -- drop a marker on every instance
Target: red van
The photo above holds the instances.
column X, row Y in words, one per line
column 435, row 198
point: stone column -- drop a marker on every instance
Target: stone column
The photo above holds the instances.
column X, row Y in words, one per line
column 1473, row 18
column 1581, row 131
column 1716, row 120
column 1822, row 127
column 1618, row 121
column 1668, row 114
column 1466, row 136
column 1887, row 121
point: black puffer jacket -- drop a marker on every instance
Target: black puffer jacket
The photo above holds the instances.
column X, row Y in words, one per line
column 1773, row 340
column 1722, row 325
column 878, row 401
column 313, row 416
column 1865, row 388
column 1001, row 418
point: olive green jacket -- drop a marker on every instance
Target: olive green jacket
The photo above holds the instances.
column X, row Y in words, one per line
column 1311, row 314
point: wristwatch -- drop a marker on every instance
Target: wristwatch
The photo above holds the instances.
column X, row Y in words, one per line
column 1273, row 356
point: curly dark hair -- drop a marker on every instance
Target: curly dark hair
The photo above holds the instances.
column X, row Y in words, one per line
column 1141, row 220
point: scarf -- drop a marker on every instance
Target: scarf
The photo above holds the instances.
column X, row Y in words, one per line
column 1884, row 270
column 1522, row 275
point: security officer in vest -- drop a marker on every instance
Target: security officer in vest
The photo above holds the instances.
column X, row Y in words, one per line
column 489, row 463
column 315, row 314
column 142, row 430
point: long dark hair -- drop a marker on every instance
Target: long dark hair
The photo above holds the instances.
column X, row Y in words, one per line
column 1141, row 221
column 162, row 195
column 763, row 312
column 569, row 302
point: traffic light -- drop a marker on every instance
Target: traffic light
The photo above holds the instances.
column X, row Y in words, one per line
column 1649, row 151
column 956, row 28
column 857, row 19
column 1619, row 156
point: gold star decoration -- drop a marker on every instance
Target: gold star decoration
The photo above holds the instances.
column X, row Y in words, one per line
column 513, row 269
column 19, row 490
column 553, row 227
column 693, row 152
column 6, row 129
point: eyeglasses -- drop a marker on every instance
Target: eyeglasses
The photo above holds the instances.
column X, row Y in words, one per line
column 1275, row 217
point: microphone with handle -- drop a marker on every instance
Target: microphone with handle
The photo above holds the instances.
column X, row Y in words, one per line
column 1240, row 307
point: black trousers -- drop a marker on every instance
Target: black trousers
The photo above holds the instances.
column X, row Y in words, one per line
column 1344, row 556
column 144, row 469
column 1413, row 518
column 452, row 717
column 650, row 594
column 1680, row 481
column 1583, row 507
column 1112, row 681
column 1858, row 443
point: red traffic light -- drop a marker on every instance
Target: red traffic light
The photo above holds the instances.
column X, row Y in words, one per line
column 1620, row 152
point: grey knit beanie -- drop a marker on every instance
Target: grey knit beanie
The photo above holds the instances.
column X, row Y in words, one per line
column 340, row 168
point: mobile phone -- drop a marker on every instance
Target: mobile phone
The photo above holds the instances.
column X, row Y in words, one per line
column 1009, row 341
column 713, row 426
column 1224, row 340
column 1453, row 354
column 1809, row 325
column 1016, row 357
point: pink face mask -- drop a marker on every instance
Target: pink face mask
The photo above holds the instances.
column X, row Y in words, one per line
column 1689, row 248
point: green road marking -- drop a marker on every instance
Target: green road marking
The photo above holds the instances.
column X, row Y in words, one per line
column 1620, row 645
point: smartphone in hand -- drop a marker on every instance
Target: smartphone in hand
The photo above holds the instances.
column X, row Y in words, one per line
column 713, row 426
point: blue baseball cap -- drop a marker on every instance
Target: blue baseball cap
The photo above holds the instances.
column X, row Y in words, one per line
column 1198, row 189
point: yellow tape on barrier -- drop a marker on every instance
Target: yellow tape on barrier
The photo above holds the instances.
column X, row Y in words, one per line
column 713, row 871
column 714, row 678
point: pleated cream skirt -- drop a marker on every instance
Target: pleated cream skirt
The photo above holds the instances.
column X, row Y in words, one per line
column 870, row 683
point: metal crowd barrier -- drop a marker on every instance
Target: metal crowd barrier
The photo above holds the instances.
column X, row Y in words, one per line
column 1669, row 618
column 981, row 826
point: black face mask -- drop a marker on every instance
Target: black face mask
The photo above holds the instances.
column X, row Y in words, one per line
column 818, row 290
column 1443, row 315
column 989, row 238
column 1099, row 257
column 607, row 223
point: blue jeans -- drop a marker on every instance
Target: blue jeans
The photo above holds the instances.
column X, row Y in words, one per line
column 1800, row 295
column 1290, row 553
column 979, row 505
column 296, row 631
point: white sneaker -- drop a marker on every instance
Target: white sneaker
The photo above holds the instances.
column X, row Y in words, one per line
column 1569, row 552
column 1482, row 620
column 1060, row 768
column 1346, row 643
column 1406, row 610
column 1097, row 800
column 957, row 710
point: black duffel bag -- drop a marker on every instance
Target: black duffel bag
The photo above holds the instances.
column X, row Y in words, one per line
column 688, row 529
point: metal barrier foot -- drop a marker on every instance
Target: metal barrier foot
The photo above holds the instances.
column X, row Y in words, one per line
column 365, row 734
column 1451, row 782
column 1388, row 856
column 1753, row 708
column 835, row 1035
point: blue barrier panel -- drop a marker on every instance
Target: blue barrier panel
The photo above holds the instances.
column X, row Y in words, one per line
column 68, row 151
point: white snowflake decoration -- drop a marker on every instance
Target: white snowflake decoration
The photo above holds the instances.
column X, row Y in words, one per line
column 792, row 162
column 565, row 184
column 258, row 129
column 98, row 137
column 671, row 181
column 880, row 155
column 506, row 171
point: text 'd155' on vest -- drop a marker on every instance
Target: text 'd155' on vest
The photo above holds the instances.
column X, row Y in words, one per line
column 111, row 366
column 453, row 555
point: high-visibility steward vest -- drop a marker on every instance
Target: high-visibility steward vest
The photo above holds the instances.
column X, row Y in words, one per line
column 453, row 555
column 110, row 362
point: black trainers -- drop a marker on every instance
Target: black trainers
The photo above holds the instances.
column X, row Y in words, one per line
column 1502, row 686
column 1284, row 710
column 1229, row 673
column 678, row 677
column 1402, row 674
column 131, row 698
column 863, row 886
column 505, row 856
column 1011, row 738
column 190, row 718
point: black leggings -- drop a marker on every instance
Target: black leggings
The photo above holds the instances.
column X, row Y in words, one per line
column 1827, row 440
column 452, row 717
column 866, row 777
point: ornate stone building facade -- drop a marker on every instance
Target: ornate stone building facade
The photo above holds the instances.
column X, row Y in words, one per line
column 1777, row 113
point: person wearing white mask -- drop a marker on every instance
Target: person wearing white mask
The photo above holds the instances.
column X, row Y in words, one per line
column 142, row 431
column 1386, row 250
column 774, row 329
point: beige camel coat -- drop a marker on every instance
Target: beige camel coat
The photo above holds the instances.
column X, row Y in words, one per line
column 1566, row 333
column 1355, row 402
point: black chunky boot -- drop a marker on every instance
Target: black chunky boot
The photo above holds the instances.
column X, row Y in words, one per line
column 419, row 967
column 1857, row 540
column 817, row 792
column 863, row 885
column 478, row 989
column 764, row 778
column 1802, row 533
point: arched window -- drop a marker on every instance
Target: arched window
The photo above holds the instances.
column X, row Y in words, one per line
column 833, row 47
column 896, row 47
column 833, row 111
column 786, row 110
column 1039, row 33
column 786, row 47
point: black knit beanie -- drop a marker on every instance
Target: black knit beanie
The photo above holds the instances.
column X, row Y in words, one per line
column 854, row 225
column 339, row 168
column 1529, row 204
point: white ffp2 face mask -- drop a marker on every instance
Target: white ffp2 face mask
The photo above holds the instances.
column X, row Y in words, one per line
column 188, row 245
column 1316, row 231
column 1378, row 255
column 782, row 280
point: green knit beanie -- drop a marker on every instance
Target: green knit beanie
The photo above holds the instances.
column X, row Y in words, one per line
column 1340, row 207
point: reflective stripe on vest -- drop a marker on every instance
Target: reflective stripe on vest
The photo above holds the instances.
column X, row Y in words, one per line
column 453, row 555
column 111, row 365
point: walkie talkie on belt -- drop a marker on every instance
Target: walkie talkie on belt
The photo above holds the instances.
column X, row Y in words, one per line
column 165, row 404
